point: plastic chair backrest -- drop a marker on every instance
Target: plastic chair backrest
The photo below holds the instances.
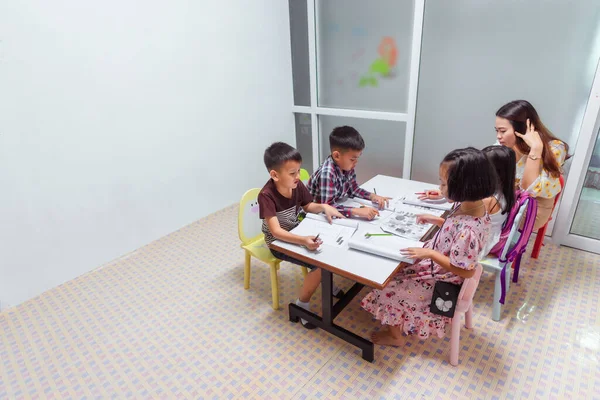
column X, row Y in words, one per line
column 249, row 222
column 517, row 237
column 522, row 198
column 469, row 286
column 561, row 179
column 304, row 175
column 513, row 238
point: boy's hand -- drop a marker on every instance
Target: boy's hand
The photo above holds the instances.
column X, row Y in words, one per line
column 331, row 212
column 381, row 201
column 426, row 219
column 365, row 212
column 431, row 195
column 310, row 243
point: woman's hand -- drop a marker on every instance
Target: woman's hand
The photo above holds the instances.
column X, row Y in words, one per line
column 532, row 139
column 416, row 252
column 431, row 195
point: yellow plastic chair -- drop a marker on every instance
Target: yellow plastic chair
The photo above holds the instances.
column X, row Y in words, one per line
column 253, row 242
column 304, row 176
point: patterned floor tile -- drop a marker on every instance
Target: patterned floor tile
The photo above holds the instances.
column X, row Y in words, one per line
column 172, row 320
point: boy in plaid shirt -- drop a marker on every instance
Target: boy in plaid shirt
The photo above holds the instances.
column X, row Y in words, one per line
column 335, row 180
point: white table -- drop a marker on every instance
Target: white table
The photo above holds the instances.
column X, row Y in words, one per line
column 363, row 268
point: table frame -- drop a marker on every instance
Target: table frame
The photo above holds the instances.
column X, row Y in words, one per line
column 330, row 310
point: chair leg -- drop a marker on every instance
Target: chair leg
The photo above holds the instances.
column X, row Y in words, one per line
column 507, row 278
column 539, row 241
column 455, row 339
column 469, row 317
column 275, row 286
column 304, row 271
column 247, row 261
column 496, row 306
column 516, row 266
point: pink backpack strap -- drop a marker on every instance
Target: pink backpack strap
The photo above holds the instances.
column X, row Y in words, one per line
column 521, row 246
column 520, row 197
column 515, row 254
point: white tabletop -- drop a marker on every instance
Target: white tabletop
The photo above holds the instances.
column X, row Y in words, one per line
column 394, row 187
column 366, row 268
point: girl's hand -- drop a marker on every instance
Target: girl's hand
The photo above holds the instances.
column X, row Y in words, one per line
column 310, row 243
column 431, row 195
column 532, row 139
column 426, row 219
column 416, row 253
column 381, row 201
column 331, row 212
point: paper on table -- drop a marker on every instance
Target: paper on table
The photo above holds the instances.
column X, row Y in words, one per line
column 385, row 246
column 336, row 221
column 369, row 203
column 414, row 200
column 403, row 222
column 335, row 234
column 355, row 202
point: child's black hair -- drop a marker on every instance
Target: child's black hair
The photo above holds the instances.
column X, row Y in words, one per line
column 504, row 161
column 345, row 138
column 470, row 175
column 278, row 153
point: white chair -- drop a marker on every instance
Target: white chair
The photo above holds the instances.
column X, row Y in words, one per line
column 495, row 266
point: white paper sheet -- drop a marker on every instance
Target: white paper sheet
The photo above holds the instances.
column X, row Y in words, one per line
column 413, row 199
column 385, row 246
column 336, row 234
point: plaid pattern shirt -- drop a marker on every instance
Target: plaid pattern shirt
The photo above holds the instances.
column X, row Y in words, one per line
column 330, row 185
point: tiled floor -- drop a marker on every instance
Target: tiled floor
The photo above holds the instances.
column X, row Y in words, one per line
column 587, row 216
column 172, row 320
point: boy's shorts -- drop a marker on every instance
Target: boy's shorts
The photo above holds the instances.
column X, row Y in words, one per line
column 285, row 257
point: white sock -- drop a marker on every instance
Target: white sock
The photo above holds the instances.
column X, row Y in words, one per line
column 304, row 305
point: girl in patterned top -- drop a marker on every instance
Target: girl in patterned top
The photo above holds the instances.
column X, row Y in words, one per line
column 540, row 155
column 466, row 177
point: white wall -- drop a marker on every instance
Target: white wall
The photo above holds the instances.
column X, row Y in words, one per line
column 122, row 121
column 477, row 56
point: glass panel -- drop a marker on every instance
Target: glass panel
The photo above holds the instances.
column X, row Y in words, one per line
column 384, row 141
column 476, row 56
column 299, row 43
column 304, row 140
column 587, row 216
column 364, row 53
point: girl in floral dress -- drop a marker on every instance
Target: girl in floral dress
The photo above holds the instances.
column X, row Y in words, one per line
column 466, row 178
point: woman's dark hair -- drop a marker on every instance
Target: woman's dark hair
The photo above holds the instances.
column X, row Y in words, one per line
column 504, row 161
column 470, row 175
column 517, row 112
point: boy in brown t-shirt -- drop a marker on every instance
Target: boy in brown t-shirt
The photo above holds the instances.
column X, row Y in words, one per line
column 280, row 201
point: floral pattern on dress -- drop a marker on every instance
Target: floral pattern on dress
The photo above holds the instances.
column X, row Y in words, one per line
column 545, row 185
column 405, row 301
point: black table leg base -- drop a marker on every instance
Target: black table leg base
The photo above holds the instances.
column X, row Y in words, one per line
column 367, row 347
